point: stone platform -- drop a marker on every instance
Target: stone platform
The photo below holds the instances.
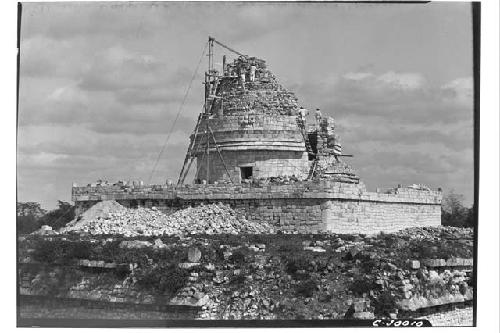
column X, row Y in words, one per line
column 302, row 206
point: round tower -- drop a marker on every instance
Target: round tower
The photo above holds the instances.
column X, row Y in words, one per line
column 251, row 127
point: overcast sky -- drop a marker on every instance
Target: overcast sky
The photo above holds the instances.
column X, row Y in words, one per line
column 100, row 84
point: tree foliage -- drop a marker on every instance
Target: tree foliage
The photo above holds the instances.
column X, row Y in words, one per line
column 30, row 216
column 454, row 213
column 60, row 216
column 30, row 209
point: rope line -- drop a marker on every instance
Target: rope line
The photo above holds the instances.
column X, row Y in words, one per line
column 178, row 112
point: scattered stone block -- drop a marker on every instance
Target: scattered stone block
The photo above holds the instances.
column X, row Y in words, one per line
column 363, row 315
column 414, row 264
column 194, row 254
column 188, row 265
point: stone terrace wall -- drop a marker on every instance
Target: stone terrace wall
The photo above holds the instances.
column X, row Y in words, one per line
column 301, row 206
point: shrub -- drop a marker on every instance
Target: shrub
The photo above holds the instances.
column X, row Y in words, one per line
column 60, row 216
column 290, row 247
column 121, row 271
column 238, row 257
column 27, row 224
column 369, row 265
column 454, row 213
column 362, row 286
column 80, row 250
column 237, row 279
column 296, row 263
column 163, row 278
column 384, row 304
column 50, row 251
column 306, row 288
column 28, row 216
column 111, row 250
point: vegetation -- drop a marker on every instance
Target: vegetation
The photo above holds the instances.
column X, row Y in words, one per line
column 306, row 288
column 238, row 257
column 165, row 277
column 454, row 213
column 60, row 216
column 384, row 304
column 362, row 286
column 30, row 216
column 296, row 263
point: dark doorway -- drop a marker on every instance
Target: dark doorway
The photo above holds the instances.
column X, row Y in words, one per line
column 246, row 172
column 313, row 142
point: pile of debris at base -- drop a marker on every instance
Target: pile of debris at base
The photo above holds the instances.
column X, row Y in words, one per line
column 439, row 232
column 109, row 217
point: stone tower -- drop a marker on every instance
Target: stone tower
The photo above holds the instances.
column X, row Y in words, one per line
column 250, row 128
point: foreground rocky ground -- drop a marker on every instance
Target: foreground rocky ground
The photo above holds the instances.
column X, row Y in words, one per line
column 256, row 276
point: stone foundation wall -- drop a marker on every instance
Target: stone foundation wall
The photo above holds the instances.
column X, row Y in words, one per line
column 304, row 207
column 372, row 217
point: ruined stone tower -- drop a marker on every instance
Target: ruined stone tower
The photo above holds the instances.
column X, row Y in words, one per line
column 250, row 128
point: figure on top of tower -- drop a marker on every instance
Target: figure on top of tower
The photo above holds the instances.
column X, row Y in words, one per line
column 318, row 116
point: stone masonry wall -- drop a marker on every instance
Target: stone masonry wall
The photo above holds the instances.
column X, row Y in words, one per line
column 304, row 207
column 273, row 147
column 264, row 164
column 372, row 217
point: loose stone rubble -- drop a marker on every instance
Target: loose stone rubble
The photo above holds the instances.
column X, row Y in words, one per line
column 109, row 217
column 327, row 276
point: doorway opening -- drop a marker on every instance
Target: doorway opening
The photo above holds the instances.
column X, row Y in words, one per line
column 246, row 172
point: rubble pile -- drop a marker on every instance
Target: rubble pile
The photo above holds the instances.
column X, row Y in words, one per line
column 435, row 233
column 270, row 277
column 109, row 217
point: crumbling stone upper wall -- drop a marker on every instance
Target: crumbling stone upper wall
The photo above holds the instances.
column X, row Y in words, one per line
column 263, row 95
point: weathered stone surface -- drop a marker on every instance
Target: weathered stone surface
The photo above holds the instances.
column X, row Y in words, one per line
column 45, row 230
column 187, row 265
column 414, row 264
column 363, row 315
column 194, row 254
column 134, row 244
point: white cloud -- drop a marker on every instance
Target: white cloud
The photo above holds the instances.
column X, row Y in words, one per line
column 68, row 94
column 357, row 76
column 404, row 81
column 459, row 90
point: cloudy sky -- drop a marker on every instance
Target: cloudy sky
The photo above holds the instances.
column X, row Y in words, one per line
column 100, row 84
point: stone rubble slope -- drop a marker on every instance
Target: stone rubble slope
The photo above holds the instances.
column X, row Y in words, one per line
column 109, row 217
